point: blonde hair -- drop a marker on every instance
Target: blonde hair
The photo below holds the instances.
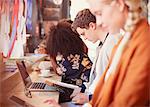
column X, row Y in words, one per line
column 134, row 15
column 134, row 7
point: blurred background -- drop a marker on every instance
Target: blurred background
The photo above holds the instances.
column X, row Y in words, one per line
column 25, row 23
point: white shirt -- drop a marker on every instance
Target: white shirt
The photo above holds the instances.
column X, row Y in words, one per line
column 101, row 63
column 91, row 48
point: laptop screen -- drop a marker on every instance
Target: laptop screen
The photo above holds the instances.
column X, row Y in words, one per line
column 24, row 74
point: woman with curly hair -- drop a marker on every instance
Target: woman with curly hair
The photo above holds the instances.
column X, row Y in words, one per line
column 68, row 51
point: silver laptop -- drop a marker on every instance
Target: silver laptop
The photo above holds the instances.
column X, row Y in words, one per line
column 32, row 86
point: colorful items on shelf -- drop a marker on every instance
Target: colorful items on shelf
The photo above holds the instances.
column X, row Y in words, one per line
column 13, row 18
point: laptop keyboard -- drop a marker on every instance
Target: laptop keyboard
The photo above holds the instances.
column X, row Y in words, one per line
column 38, row 85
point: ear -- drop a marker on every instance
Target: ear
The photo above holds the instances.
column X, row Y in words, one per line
column 120, row 4
column 92, row 25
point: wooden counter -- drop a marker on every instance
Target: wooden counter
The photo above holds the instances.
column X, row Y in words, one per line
column 37, row 97
column 12, row 84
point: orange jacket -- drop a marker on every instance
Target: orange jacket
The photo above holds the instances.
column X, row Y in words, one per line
column 129, row 85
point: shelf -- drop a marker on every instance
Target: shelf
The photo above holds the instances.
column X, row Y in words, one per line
column 51, row 11
column 51, row 14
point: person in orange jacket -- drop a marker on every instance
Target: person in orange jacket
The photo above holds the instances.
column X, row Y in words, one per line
column 125, row 82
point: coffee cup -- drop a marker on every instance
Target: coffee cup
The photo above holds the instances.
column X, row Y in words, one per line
column 45, row 65
column 45, row 73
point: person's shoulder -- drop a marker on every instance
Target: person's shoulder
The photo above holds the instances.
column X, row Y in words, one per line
column 140, row 39
column 141, row 35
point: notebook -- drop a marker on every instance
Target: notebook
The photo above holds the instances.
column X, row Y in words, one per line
column 76, row 89
column 32, row 86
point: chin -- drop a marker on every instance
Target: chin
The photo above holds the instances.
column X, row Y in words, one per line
column 112, row 32
column 94, row 41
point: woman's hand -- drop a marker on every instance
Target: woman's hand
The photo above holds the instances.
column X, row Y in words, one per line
column 52, row 103
column 59, row 71
column 80, row 98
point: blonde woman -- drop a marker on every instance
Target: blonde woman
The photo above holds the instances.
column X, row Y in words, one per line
column 126, row 81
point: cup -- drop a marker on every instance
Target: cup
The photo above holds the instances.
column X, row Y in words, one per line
column 45, row 65
column 45, row 73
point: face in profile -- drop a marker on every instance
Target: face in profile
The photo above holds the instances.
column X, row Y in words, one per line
column 88, row 33
column 108, row 14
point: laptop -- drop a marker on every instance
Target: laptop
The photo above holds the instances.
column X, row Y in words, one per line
column 32, row 86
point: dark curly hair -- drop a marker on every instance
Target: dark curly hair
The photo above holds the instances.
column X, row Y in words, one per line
column 63, row 40
column 83, row 19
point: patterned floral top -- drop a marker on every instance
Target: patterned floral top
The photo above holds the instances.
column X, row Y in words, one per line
column 75, row 68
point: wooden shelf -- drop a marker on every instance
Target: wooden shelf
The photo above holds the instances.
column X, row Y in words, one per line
column 50, row 11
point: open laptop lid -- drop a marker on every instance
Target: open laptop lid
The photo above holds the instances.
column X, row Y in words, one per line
column 24, row 74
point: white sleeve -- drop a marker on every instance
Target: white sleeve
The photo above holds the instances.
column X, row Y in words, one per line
column 103, row 60
column 100, row 68
column 87, row 105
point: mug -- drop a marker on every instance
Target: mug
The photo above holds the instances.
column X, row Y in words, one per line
column 45, row 72
column 45, row 65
